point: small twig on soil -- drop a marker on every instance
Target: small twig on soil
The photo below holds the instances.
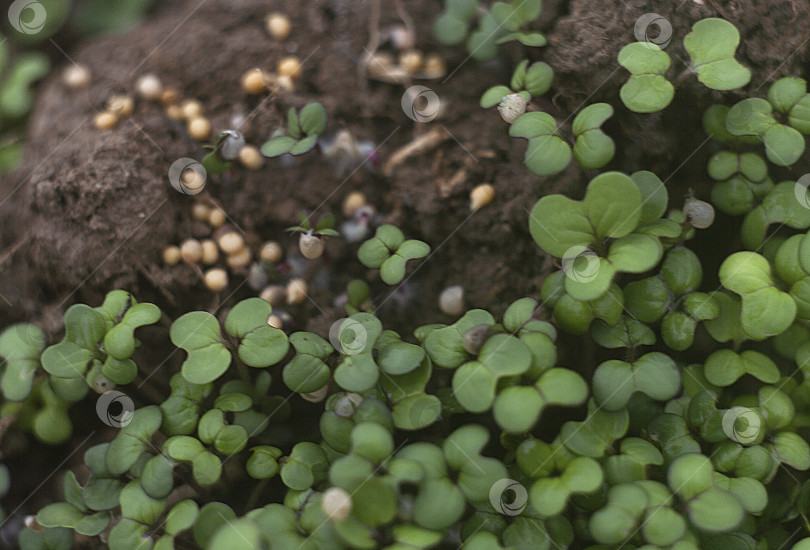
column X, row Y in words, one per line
column 417, row 146
column 14, row 248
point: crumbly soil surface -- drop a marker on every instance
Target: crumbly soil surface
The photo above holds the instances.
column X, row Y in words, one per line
column 91, row 210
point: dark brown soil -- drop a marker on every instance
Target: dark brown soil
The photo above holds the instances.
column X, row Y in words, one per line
column 97, row 207
column 92, row 210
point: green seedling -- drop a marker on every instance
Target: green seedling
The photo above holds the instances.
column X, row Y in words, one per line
column 388, row 251
column 647, row 90
column 303, row 130
column 711, row 46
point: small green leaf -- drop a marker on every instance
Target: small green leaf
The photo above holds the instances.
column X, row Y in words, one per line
column 712, row 45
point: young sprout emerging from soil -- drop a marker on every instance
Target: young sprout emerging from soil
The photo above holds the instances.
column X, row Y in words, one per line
column 311, row 240
column 388, row 251
column 227, row 147
column 303, row 130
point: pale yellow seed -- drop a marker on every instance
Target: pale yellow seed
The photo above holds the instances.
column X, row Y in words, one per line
column 336, row 504
column 149, row 86
column 254, row 82
column 285, row 84
column 271, row 252
column 210, row 252
column 289, row 66
column 171, row 255
column 311, row 246
column 216, row 279
column 120, row 105
column 217, row 218
column 433, row 67
column 191, row 109
column 451, row 300
column 250, row 157
column 174, row 112
column 199, row 128
column 352, row 202
column 240, row 259
column 105, row 121
column 200, row 212
column 296, row 291
column 76, row 77
column 481, row 196
column 191, row 251
column 192, row 180
column 275, row 295
column 170, row 96
column 278, row 25
column 231, row 242
column 410, row 61
column 275, row 322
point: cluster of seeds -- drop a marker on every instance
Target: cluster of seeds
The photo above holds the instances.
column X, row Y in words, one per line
column 409, row 64
column 227, row 243
column 257, row 81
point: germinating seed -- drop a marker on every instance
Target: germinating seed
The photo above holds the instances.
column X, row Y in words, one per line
column 347, row 404
column 271, row 252
column 289, row 66
column 511, row 107
column 149, row 86
column 275, row 295
column 311, row 246
column 451, row 300
column 699, row 213
column 216, row 279
column 240, row 259
column 251, row 158
column 217, row 218
column 171, row 255
column 316, row 396
column 105, row 121
column 231, row 144
column 199, row 128
column 254, row 81
column 191, row 109
column 200, row 211
column 210, row 252
column 352, row 202
column 120, row 105
column 296, row 291
column 278, row 25
column 191, row 251
column 482, row 195
column 76, row 77
column 231, row 242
